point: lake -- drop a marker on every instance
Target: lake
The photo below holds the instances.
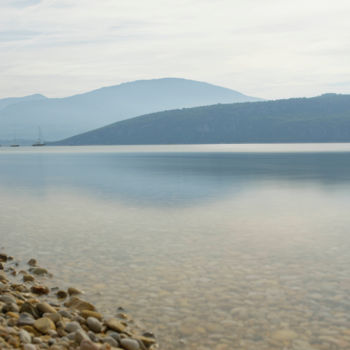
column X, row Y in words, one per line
column 209, row 246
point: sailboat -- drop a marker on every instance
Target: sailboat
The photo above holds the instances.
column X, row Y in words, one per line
column 14, row 144
column 39, row 141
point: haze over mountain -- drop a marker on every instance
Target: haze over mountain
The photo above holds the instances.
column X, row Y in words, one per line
column 324, row 118
column 4, row 102
column 64, row 117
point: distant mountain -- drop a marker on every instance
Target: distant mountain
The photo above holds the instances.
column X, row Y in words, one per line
column 4, row 102
column 63, row 117
column 319, row 119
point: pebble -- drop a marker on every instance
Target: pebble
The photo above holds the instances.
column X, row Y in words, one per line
column 40, row 290
column 31, row 320
column 130, row 344
column 45, row 308
column 79, row 304
column 32, row 262
column 25, row 319
column 24, row 336
column 38, row 271
column 72, row 327
column 115, row 325
column 44, row 324
column 94, row 324
column 80, row 335
column 61, row 294
column 73, row 291
column 88, row 345
column 111, row 341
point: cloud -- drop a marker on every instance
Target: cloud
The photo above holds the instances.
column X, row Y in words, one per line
column 20, row 3
column 15, row 35
column 270, row 48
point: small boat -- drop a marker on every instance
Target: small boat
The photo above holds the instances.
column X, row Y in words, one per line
column 39, row 141
column 14, row 144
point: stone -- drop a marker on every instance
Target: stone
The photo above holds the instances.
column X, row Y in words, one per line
column 94, row 324
column 32, row 262
column 25, row 319
column 40, row 290
column 28, row 278
column 44, row 324
column 114, row 335
column 40, row 271
column 29, row 347
column 3, row 278
column 25, row 337
column 130, row 344
column 7, row 298
column 93, row 336
column 61, row 294
column 3, row 257
column 72, row 327
column 88, row 345
column 79, row 304
column 88, row 313
column 45, row 308
column 30, row 309
column 10, row 307
column 80, row 335
column 65, row 313
column 115, row 325
column 284, row 335
column 73, row 291
column 147, row 341
column 14, row 341
column 111, row 341
column 54, row 317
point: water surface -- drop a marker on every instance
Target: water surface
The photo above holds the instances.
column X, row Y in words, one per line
column 211, row 247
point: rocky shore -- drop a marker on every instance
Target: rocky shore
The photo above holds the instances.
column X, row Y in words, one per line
column 35, row 316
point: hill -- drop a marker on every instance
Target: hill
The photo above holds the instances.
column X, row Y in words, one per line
column 64, row 117
column 319, row 119
column 4, row 102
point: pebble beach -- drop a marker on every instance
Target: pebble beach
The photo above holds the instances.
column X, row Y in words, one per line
column 35, row 315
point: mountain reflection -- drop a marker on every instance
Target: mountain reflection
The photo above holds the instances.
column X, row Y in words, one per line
column 171, row 179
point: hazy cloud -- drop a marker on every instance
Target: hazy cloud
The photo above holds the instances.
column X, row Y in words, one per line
column 20, row 3
column 269, row 48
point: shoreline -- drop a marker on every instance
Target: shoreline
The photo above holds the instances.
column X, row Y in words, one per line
column 35, row 316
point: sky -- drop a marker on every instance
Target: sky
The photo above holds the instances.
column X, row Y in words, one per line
column 265, row 48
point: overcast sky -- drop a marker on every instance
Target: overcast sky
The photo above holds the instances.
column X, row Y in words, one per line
column 265, row 48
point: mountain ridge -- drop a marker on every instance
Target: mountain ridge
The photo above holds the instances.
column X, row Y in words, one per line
column 63, row 117
column 324, row 118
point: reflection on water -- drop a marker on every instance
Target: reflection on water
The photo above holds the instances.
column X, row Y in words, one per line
column 220, row 250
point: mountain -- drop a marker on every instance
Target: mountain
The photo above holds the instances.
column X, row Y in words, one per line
column 63, row 117
column 4, row 102
column 319, row 119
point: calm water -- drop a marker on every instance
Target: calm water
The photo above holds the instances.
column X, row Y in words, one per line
column 211, row 247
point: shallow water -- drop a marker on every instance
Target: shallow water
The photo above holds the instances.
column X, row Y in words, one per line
column 211, row 247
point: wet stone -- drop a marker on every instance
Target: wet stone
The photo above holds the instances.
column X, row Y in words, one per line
column 61, row 294
column 39, row 271
column 73, row 291
column 40, row 290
